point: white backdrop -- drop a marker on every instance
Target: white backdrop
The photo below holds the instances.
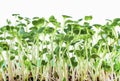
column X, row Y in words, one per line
column 99, row 9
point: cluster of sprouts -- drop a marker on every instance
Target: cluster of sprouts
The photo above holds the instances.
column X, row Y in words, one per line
column 41, row 49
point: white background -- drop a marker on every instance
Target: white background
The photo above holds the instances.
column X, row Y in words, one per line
column 99, row 9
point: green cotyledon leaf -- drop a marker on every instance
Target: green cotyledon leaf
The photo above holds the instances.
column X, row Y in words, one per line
column 24, row 57
column 73, row 62
column 66, row 16
column 88, row 18
column 43, row 62
column 12, row 57
column 54, row 21
column 39, row 22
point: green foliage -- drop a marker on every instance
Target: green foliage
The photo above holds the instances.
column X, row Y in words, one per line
column 24, row 57
column 66, row 16
column 44, row 46
column 73, row 62
column 38, row 22
column 54, row 21
column 88, row 18
column 12, row 57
